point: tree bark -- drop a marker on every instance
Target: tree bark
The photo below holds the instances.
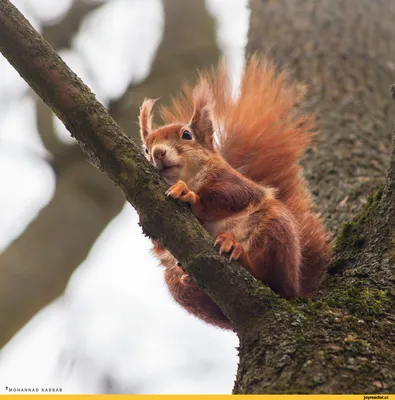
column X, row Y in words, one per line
column 344, row 51
column 344, row 341
column 36, row 267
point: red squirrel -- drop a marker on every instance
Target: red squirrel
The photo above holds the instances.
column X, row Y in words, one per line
column 245, row 185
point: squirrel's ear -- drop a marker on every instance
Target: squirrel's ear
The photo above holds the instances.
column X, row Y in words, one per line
column 145, row 118
column 201, row 121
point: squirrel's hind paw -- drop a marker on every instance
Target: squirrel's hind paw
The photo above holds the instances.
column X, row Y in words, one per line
column 228, row 244
column 186, row 280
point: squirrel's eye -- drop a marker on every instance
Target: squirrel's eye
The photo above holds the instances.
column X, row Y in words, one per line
column 186, row 135
column 146, row 150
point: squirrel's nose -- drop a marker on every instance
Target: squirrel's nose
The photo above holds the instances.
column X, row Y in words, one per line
column 158, row 153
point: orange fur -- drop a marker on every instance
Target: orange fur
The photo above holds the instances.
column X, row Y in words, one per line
column 247, row 189
column 189, row 296
column 145, row 118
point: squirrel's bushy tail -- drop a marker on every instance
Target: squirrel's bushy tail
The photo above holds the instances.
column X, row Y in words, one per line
column 262, row 135
column 259, row 132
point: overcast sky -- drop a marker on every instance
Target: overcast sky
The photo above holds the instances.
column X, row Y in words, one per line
column 105, row 324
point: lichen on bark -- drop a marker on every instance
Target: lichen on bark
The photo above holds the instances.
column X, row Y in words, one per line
column 343, row 341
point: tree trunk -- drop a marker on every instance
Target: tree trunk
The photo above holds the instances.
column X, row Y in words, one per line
column 344, row 51
column 344, row 341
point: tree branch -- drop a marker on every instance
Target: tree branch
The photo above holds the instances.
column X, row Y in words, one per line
column 59, row 36
column 36, row 267
column 114, row 153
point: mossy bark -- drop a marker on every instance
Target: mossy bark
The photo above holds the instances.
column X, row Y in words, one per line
column 344, row 340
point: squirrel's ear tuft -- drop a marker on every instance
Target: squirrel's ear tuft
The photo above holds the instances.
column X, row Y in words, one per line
column 201, row 120
column 145, row 118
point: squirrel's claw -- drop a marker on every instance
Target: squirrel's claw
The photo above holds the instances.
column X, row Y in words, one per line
column 229, row 245
column 180, row 191
column 236, row 252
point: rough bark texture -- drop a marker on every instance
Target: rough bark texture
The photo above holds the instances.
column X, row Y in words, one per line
column 344, row 50
column 116, row 154
column 344, row 341
column 40, row 262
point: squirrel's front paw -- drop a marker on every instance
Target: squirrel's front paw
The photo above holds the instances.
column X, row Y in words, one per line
column 180, row 191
